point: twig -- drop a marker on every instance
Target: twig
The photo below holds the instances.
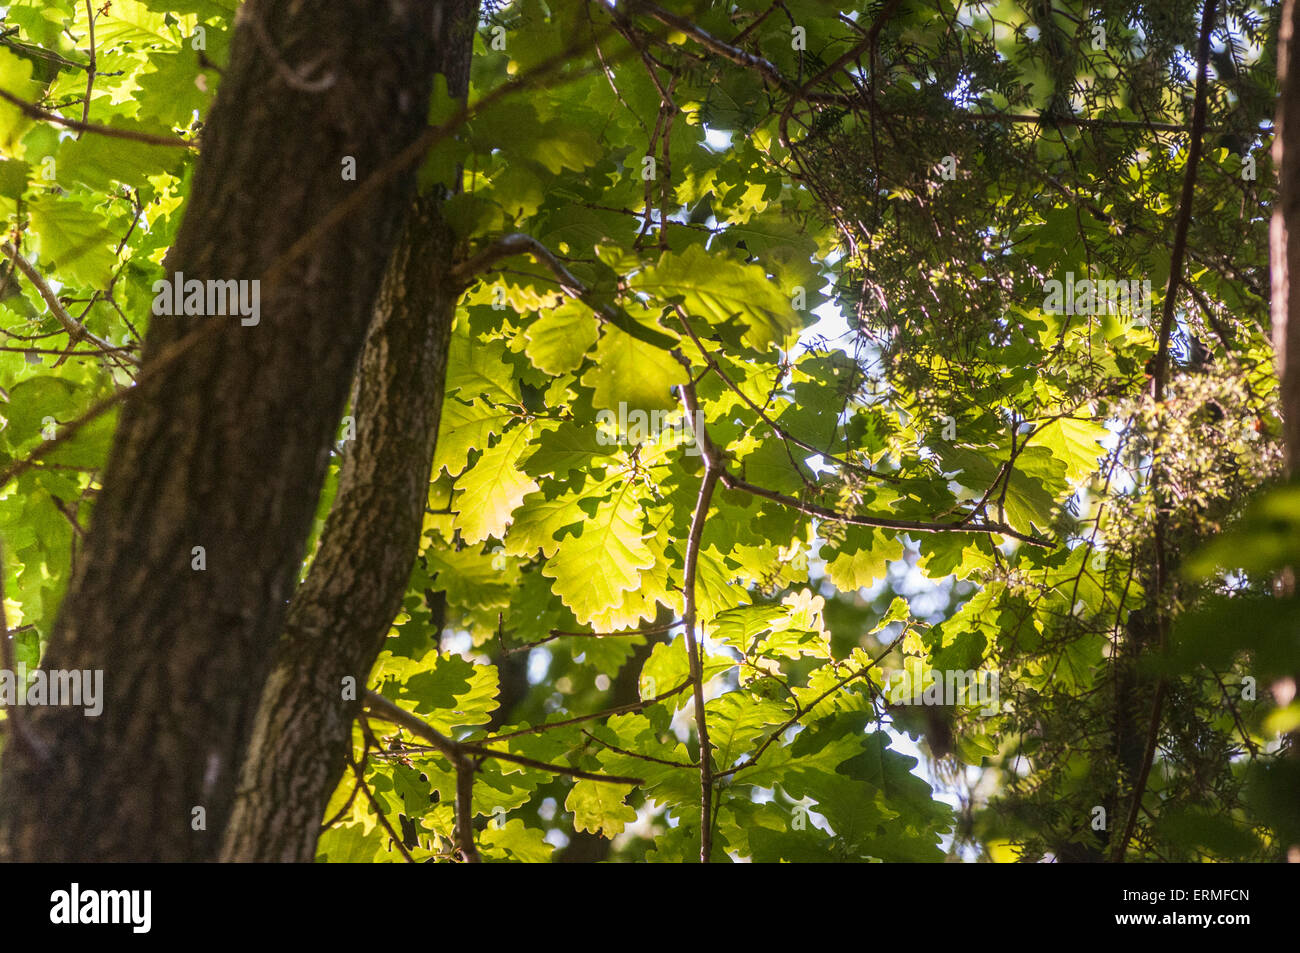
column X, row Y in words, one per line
column 800, row 712
column 76, row 330
column 596, row 715
column 712, row 473
column 28, row 50
column 803, row 92
column 156, row 366
column 378, row 809
column 916, row 526
column 560, row 769
column 457, row 751
column 1251, row 746
column 379, row 705
column 465, row 769
column 112, row 132
column 557, row 634
column 338, row 815
column 1160, row 371
column 958, row 115
column 867, row 42
column 90, row 71
column 517, row 243
column 639, row 755
column 69, row 513
column 725, row 50
column 776, row 428
column 64, row 352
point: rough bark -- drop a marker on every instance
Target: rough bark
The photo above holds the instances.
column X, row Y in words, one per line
column 226, row 446
column 1284, row 244
column 341, row 614
column 1284, row 261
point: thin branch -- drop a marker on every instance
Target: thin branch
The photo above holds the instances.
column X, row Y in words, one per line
column 379, row 810
column 76, row 330
column 776, row 428
column 69, row 513
column 458, row 751
column 1160, row 371
column 711, row 43
column 65, row 433
column 596, row 715
column 156, row 366
column 916, row 526
column 64, row 352
column 639, row 755
column 347, row 805
column 649, row 630
column 712, row 472
column 867, row 42
column 1251, row 746
column 757, row 21
column 560, row 769
column 1040, row 119
column 803, row 92
column 465, row 811
column 800, row 712
column 517, row 243
column 26, row 49
column 557, row 634
column 90, row 71
column 34, row 111
column 380, row 706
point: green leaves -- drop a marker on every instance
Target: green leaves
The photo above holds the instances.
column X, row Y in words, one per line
column 734, row 300
column 73, row 240
column 558, row 341
column 448, row 691
column 98, row 162
column 598, row 807
column 630, row 372
column 1263, row 540
column 1074, row 442
column 494, row 488
column 862, row 558
column 605, row 559
column 1026, row 489
column 15, row 79
column 550, row 586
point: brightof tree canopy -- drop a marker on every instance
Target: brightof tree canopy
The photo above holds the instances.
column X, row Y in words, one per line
column 569, row 430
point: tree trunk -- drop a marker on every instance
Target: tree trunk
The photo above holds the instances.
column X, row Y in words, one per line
column 1284, row 261
column 1284, row 244
column 341, row 614
column 226, row 446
